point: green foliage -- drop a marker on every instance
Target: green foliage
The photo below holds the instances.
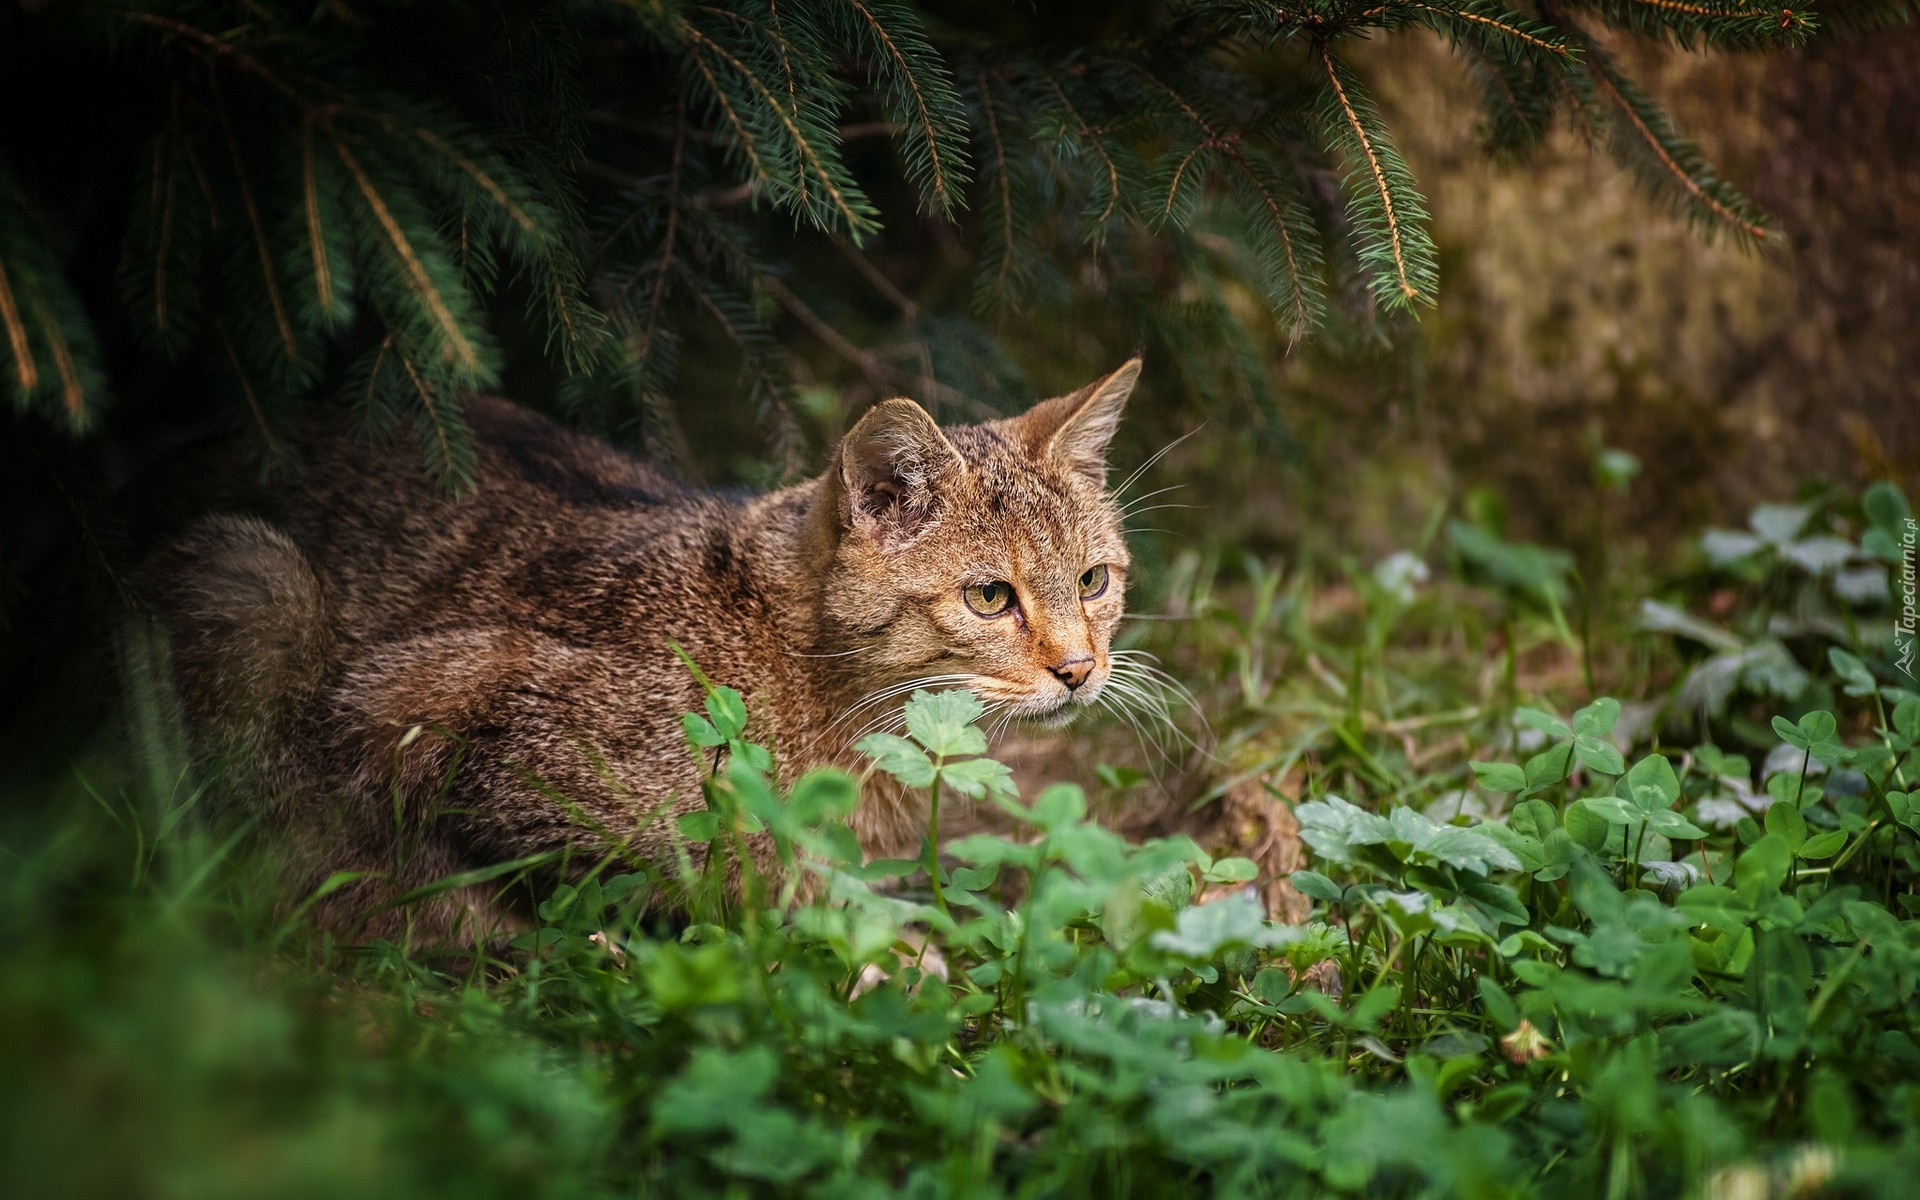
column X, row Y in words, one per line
column 1814, row 575
column 405, row 204
column 1625, row 969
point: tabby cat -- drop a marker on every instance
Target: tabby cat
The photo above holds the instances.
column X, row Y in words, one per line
column 422, row 678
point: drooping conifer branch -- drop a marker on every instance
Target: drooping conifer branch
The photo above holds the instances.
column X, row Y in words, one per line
column 310, row 209
column 26, row 371
column 1386, row 206
column 458, row 346
column 326, row 203
column 257, row 230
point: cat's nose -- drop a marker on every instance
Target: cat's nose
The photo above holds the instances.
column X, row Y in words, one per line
column 1074, row 671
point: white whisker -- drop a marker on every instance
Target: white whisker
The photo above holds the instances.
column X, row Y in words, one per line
column 1139, row 500
column 1157, row 456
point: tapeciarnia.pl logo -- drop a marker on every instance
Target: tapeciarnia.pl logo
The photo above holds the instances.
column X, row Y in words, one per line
column 1905, row 637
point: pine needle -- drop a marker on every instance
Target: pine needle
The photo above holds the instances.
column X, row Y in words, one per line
column 458, row 344
column 23, row 364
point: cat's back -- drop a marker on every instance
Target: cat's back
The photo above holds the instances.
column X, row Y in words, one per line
column 555, row 523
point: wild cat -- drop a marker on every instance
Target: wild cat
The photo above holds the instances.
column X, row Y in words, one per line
column 432, row 684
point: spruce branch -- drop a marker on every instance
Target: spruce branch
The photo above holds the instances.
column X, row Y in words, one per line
column 48, row 337
column 1496, row 29
column 1000, row 212
column 319, row 252
column 1284, row 240
column 745, row 139
column 317, row 187
column 918, row 95
column 1177, row 179
column 1737, row 25
column 811, row 147
column 1387, row 208
column 1086, row 136
column 251, row 397
column 1520, row 99
column 26, row 372
column 209, row 45
column 458, row 345
column 165, row 179
column 258, row 231
column 1679, row 158
column 73, row 396
column 1645, row 136
column 445, row 434
column 392, row 387
column 316, row 233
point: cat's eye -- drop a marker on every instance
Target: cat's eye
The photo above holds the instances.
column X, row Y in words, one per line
column 1093, row 582
column 989, row 599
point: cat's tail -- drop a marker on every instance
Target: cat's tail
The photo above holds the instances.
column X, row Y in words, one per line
column 246, row 620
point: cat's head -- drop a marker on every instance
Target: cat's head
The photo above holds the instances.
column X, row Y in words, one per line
column 984, row 556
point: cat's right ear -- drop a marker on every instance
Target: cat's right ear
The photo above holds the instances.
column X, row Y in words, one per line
column 893, row 464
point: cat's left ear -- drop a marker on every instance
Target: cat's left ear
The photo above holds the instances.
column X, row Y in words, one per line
column 1074, row 429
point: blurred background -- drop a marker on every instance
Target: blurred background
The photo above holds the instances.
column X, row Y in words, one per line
column 1364, row 538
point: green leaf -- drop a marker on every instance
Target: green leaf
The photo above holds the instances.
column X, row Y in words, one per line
column 1497, row 900
column 823, row 794
column 1586, row 825
column 700, row 731
column 899, row 758
column 1202, row 931
column 1469, row 850
column 1817, row 733
column 727, row 711
column 1790, row 733
column 1546, row 723
column 943, row 722
column 1905, row 809
column 1906, row 719
column 1785, row 821
column 1334, row 827
column 709, row 1094
column 972, row 879
column 1061, row 804
column 1616, row 810
column 1779, row 523
column 1548, row 767
column 699, row 826
column 1823, row 845
column 1499, row 776
column 1232, row 870
column 1668, row 823
column 1597, row 719
column 1652, row 782
column 1495, row 1000
column 1762, row 868
column 1528, row 849
column 1885, row 506
column 1599, row 755
column 1318, row 886
column 1854, row 673
column 1559, row 848
column 1535, row 818
column 977, row 777
column 1527, row 941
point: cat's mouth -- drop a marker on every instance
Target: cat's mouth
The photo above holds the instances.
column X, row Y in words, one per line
column 1053, row 711
column 1059, row 717
column 1042, row 709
